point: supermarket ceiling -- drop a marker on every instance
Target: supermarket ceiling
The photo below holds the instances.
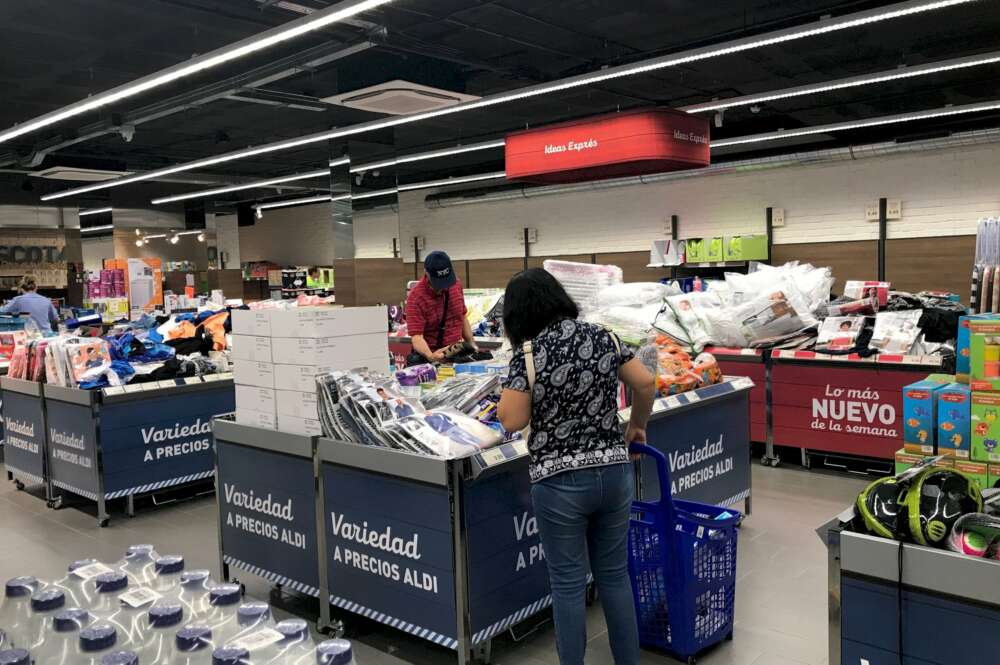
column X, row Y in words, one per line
column 56, row 52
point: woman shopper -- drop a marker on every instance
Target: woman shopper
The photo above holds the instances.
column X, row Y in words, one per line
column 564, row 383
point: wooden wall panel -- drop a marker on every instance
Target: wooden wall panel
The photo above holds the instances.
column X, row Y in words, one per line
column 492, row 273
column 344, row 282
column 848, row 260
column 633, row 265
column 381, row 281
column 931, row 264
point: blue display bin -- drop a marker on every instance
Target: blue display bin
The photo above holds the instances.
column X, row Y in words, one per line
column 25, row 442
column 126, row 441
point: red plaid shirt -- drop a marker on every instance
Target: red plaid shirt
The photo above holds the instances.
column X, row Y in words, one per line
column 424, row 309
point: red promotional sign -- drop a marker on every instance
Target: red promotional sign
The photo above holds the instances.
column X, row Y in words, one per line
column 632, row 143
column 854, row 410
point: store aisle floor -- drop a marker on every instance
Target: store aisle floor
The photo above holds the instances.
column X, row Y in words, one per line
column 781, row 596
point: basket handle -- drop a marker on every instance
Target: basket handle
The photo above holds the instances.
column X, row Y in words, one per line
column 662, row 471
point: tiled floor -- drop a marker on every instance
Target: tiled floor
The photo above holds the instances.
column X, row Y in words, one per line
column 781, row 594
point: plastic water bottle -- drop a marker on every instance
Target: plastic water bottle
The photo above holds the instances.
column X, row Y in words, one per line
column 295, row 644
column 194, row 593
column 193, row 645
column 250, row 617
column 120, row 658
column 158, row 646
column 221, row 618
column 96, row 641
column 139, row 564
column 63, row 645
column 231, row 656
column 168, row 571
column 16, row 609
column 15, row 657
column 78, row 594
column 334, row 652
column 44, row 605
column 109, row 587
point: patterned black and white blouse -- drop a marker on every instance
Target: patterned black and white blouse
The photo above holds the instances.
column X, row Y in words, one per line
column 574, row 405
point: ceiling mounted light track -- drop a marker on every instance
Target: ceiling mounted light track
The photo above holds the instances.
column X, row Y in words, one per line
column 95, row 229
column 254, row 44
column 94, row 211
column 822, row 27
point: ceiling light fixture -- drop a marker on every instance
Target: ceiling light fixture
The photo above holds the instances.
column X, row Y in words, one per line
column 453, row 181
column 297, row 202
column 813, row 29
column 139, row 243
column 852, row 82
column 859, row 124
column 174, row 239
column 239, row 188
column 190, row 233
column 433, row 154
column 248, row 46
column 94, row 211
column 201, row 237
column 155, row 237
column 95, row 229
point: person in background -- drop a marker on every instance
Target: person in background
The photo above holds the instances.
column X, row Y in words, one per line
column 435, row 311
column 40, row 308
column 564, row 382
column 312, row 278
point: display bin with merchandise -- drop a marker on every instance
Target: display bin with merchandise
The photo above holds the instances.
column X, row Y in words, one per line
column 124, row 441
column 842, row 406
column 753, row 364
column 25, row 441
column 267, row 505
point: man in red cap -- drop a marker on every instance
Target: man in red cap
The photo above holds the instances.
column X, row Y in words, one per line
column 435, row 310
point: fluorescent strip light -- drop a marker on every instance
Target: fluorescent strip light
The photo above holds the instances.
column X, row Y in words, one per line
column 340, row 162
column 826, row 26
column 452, row 181
column 239, row 188
column 375, row 194
column 433, row 154
column 158, row 235
column 190, row 233
column 248, row 46
column 94, row 211
column 297, row 202
column 859, row 124
column 854, row 81
column 95, row 229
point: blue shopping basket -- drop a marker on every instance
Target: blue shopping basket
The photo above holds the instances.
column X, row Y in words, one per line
column 682, row 561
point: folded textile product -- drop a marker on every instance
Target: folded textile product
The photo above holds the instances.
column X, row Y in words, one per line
column 583, row 281
column 370, row 409
column 464, row 392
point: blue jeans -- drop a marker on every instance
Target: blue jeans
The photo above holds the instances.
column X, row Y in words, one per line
column 583, row 513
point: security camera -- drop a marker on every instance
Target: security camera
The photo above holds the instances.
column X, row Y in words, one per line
column 718, row 118
column 755, row 109
column 127, row 132
column 258, row 213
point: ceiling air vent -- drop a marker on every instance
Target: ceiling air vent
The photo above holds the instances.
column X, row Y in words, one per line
column 79, row 174
column 399, row 98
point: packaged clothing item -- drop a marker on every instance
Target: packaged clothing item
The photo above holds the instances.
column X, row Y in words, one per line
column 464, row 392
column 667, row 323
column 860, row 290
column 689, row 310
column 839, row 333
column 443, row 433
column 865, row 307
column 896, row 332
column 771, row 315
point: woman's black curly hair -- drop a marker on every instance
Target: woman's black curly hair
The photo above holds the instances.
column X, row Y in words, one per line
column 533, row 300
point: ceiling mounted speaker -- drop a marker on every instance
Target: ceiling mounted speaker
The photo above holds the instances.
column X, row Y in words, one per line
column 399, row 98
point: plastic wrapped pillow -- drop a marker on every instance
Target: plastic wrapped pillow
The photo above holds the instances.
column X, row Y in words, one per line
column 636, row 294
column 723, row 327
column 769, row 315
column 631, row 324
column 689, row 309
column 666, row 323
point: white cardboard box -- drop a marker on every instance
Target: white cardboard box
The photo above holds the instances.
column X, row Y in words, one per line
column 252, row 322
column 328, row 321
column 303, row 377
column 328, row 351
column 298, row 404
column 251, row 347
column 252, row 373
column 256, row 419
column 304, row 426
column 254, row 398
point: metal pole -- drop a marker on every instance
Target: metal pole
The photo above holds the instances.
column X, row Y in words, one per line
column 464, row 621
column 395, row 248
column 770, row 232
column 526, row 252
column 416, row 257
column 770, row 458
column 325, row 619
column 674, row 225
column 882, row 234
column 223, row 566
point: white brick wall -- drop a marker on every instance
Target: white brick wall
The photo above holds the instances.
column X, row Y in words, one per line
column 227, row 238
column 373, row 233
column 290, row 236
column 943, row 193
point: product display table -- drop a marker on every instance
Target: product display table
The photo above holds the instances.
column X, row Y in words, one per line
column 751, row 363
column 947, row 604
column 25, row 451
column 400, row 347
column 842, row 405
column 705, row 435
column 136, row 439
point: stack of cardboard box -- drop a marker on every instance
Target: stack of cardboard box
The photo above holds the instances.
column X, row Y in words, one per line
column 278, row 353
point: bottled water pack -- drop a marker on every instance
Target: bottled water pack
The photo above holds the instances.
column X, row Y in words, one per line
column 146, row 609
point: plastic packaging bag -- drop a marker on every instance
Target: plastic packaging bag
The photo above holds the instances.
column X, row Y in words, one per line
column 896, row 332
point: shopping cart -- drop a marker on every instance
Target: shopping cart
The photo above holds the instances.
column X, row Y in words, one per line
column 682, row 561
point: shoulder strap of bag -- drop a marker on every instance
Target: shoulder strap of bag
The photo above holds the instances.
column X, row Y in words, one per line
column 444, row 319
column 616, row 342
column 529, row 364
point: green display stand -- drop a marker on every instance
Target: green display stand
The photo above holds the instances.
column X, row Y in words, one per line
column 746, row 248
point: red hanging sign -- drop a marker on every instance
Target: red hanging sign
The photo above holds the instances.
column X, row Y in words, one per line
column 622, row 144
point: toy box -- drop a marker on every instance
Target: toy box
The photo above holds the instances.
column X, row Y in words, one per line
column 962, row 350
column 704, row 250
column 984, row 354
column 985, row 428
column 746, row 248
column 919, row 405
column 994, row 472
column 905, row 460
column 954, row 421
column 978, row 471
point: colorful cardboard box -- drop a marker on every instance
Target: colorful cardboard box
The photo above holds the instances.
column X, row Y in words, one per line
column 963, row 351
column 984, row 355
column 985, row 427
column 746, row 248
column 994, row 475
column 919, row 410
column 978, row 471
column 954, row 421
column 905, row 460
column 704, row 250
